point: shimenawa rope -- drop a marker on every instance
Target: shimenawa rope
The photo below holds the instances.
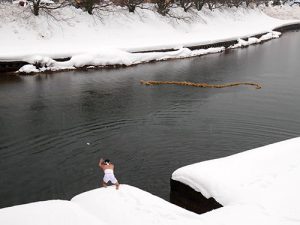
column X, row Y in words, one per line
column 202, row 85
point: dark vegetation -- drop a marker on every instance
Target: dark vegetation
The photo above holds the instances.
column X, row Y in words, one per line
column 161, row 6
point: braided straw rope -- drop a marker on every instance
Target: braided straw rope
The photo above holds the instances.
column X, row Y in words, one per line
column 202, row 85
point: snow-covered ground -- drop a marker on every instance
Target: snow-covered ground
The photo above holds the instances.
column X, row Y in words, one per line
column 54, row 212
column 114, row 36
column 283, row 12
column 259, row 186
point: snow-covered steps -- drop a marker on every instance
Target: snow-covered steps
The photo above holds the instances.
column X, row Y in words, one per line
column 265, row 179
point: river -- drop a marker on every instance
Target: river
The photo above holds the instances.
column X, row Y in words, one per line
column 55, row 127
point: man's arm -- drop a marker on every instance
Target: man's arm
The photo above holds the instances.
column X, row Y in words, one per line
column 101, row 163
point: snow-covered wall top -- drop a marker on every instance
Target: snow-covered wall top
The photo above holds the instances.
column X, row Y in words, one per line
column 266, row 179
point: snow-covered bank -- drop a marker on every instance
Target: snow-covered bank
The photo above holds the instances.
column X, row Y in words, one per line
column 119, row 57
column 261, row 185
column 112, row 39
column 111, row 57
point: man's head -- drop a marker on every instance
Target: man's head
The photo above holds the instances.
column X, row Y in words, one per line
column 106, row 161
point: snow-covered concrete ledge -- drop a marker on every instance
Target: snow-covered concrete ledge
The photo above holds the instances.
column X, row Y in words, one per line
column 266, row 180
column 123, row 39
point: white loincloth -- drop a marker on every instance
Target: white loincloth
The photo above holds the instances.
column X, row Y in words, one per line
column 109, row 176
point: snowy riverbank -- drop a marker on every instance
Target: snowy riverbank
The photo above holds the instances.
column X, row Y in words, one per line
column 259, row 186
column 113, row 38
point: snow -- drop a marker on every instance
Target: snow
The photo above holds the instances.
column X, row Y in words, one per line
column 283, row 12
column 114, row 36
column 253, row 40
column 263, row 183
column 54, row 212
column 130, row 205
column 111, row 57
column 28, row 69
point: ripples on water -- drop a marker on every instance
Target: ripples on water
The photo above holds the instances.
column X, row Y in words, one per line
column 47, row 120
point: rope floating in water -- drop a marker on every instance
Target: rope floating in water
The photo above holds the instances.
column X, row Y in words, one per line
column 202, row 85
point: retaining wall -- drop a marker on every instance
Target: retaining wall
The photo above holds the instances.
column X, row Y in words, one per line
column 186, row 197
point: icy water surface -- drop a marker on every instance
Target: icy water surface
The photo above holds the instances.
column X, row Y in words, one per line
column 47, row 121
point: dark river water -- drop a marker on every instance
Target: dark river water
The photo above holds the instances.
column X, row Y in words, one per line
column 47, row 120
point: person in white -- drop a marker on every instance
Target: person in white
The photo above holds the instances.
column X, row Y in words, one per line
column 108, row 169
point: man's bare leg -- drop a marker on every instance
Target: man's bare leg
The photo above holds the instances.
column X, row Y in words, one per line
column 117, row 185
column 104, row 184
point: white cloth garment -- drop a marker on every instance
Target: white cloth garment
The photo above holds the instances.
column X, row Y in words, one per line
column 109, row 176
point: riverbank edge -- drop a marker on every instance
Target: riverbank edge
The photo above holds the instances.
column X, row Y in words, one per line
column 14, row 66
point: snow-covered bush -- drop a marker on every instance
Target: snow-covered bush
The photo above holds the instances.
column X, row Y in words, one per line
column 186, row 4
column 131, row 4
column 163, row 6
column 199, row 4
column 90, row 6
